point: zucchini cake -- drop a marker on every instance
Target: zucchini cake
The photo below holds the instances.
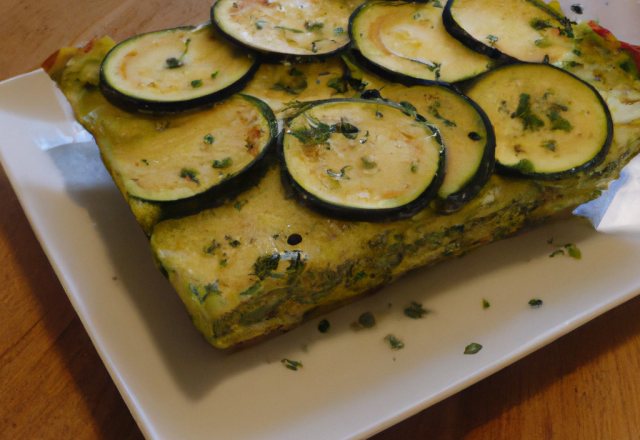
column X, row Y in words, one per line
column 234, row 229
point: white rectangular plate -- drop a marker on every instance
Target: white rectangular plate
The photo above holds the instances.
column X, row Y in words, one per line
column 352, row 384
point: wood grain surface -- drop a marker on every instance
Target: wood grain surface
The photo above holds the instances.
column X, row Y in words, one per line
column 53, row 384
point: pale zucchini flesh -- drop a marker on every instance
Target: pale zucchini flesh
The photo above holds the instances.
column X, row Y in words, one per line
column 174, row 69
column 409, row 39
column 548, row 123
column 286, row 27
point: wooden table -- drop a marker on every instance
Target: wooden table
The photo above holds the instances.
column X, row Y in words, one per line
column 53, row 385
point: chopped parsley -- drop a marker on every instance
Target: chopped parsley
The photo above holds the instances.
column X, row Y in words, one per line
column 295, row 31
column 472, row 348
column 415, row 310
column 558, row 122
column 315, row 26
column 366, row 320
column 379, row 114
column 291, row 365
column 535, row 303
column 340, row 84
column 433, row 109
column 359, row 276
column 556, row 253
column 368, row 164
column 260, row 24
column 174, row 63
column 414, row 167
column 240, row 204
column 492, row 39
column 549, row 145
column 338, row 31
column 209, row 139
column 349, row 131
column 196, row 83
column 323, row 326
column 223, row 163
column 574, row 252
column 529, row 119
column 189, row 174
column 266, row 264
column 342, row 175
column 145, row 161
column 214, row 74
column 223, row 262
column 394, row 342
column 485, row 304
column 234, row 243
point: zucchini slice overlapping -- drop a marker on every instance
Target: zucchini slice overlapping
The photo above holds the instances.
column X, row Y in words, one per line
column 362, row 160
column 404, row 41
column 549, row 124
column 524, row 30
column 174, row 158
column 174, row 70
column 286, row 28
column 467, row 133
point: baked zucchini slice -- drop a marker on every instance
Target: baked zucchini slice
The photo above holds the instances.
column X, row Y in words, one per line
column 174, row 158
column 287, row 28
column 468, row 136
column 174, row 70
column 404, row 41
column 524, row 30
column 362, row 160
column 549, row 124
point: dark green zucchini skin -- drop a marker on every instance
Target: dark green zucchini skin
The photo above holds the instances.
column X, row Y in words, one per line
column 465, row 38
column 138, row 105
column 345, row 213
column 275, row 57
column 228, row 189
column 595, row 161
column 387, row 74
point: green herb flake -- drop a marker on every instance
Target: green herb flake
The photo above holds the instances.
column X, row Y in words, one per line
column 556, row 253
column 145, row 161
column 368, row 164
column 314, row 48
column 265, row 265
column 475, row 136
column 342, row 175
column 291, row 365
column 196, row 83
column 260, row 24
column 252, row 290
column 340, row 84
column 540, row 24
column 338, row 31
column 485, row 304
column 472, row 348
column 366, row 320
column 492, row 39
column 529, row 119
column 209, row 139
column 535, row 303
column 214, row 74
column 415, row 310
column 549, row 145
column 295, row 31
column 317, row 133
column 212, row 288
column 240, row 204
column 189, row 174
column 359, row 276
column 433, row 109
column 315, row 26
column 574, row 252
column 173, row 63
column 323, row 326
column 416, row 16
column 558, row 122
column 525, row 166
column 394, row 342
column 577, row 52
column 234, row 243
column 379, row 114
column 223, row 163
column 223, row 262
column 349, row 131
column 414, row 167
